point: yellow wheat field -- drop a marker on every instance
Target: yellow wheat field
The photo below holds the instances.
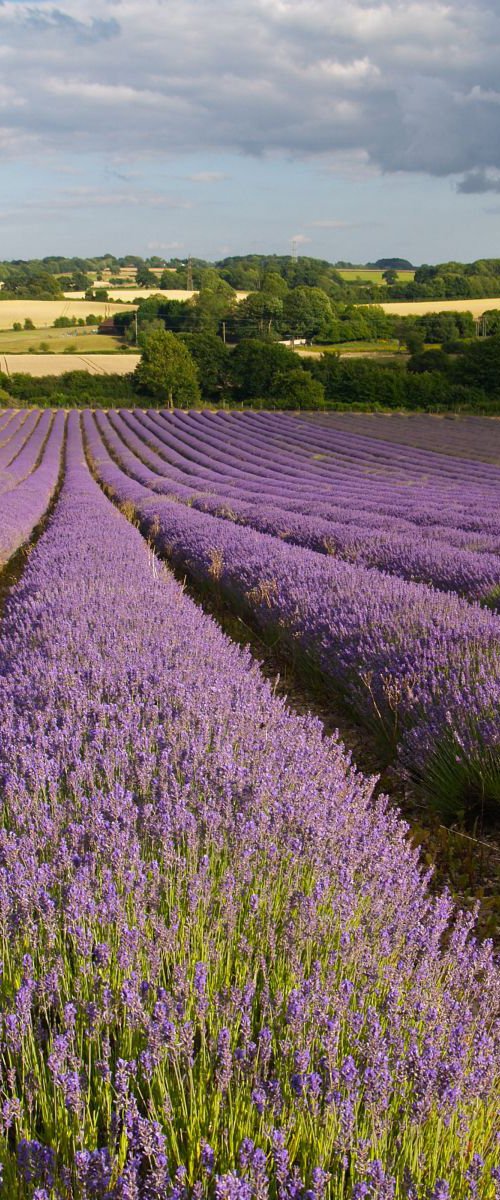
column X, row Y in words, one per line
column 418, row 308
column 128, row 295
column 43, row 313
column 58, row 364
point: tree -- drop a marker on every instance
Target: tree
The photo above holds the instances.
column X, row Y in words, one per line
column 31, row 283
column 306, row 310
column 257, row 314
column 274, row 285
column 167, row 371
column 297, row 389
column 99, row 293
column 145, row 277
column 414, row 340
column 215, row 302
column 255, row 364
column 479, row 366
column 78, row 282
column 390, row 275
column 212, row 359
column 396, row 264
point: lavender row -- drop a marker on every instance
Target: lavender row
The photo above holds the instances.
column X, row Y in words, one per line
column 24, row 507
column 416, row 494
column 423, row 666
column 330, row 450
column 292, row 489
column 224, row 974
column 340, row 508
column 10, row 422
column 28, row 456
column 327, row 501
column 421, row 494
column 19, row 435
column 6, row 415
column 474, row 575
column 307, row 433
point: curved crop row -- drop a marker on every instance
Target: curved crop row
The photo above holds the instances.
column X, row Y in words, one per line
column 413, row 557
column 423, row 666
column 224, row 975
column 19, row 435
column 28, row 456
column 12, row 418
column 24, row 507
column 338, row 505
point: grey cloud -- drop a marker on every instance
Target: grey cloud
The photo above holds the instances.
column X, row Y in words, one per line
column 404, row 85
column 96, row 30
column 478, row 182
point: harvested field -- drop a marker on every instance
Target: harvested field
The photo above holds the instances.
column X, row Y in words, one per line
column 43, row 313
column 58, row 364
column 417, row 308
column 128, row 295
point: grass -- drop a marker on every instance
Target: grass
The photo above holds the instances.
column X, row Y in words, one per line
column 351, row 274
column 377, row 346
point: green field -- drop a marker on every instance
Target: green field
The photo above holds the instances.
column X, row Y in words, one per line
column 58, row 341
column 352, row 274
column 382, row 346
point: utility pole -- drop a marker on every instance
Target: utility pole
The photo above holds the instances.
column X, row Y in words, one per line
column 189, row 275
column 294, row 249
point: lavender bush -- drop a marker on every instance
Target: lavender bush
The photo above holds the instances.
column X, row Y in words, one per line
column 25, row 505
column 406, row 553
column 224, row 975
column 26, row 459
column 420, row 666
column 18, row 431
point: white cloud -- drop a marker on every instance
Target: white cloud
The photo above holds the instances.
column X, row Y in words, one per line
column 327, row 224
column 405, row 85
column 160, row 246
column 208, row 177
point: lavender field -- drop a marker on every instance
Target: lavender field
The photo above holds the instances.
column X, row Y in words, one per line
column 225, row 972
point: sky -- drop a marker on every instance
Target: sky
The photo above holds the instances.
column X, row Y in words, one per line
column 360, row 128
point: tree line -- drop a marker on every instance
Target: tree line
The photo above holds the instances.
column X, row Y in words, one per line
column 49, row 277
column 286, row 313
column 197, row 368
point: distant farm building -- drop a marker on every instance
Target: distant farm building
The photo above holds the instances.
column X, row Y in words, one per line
column 109, row 327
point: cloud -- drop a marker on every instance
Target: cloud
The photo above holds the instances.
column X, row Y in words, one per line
column 45, row 19
column 158, row 246
column 207, row 177
column 83, row 199
column 390, row 85
column 114, row 95
column 330, row 224
column 478, row 182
